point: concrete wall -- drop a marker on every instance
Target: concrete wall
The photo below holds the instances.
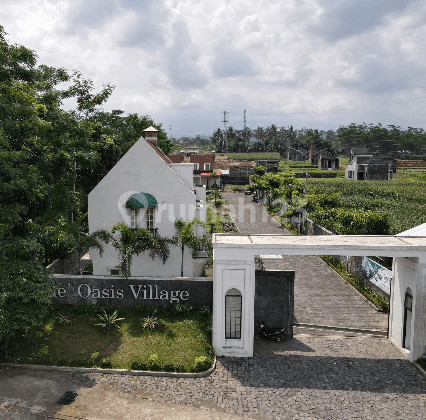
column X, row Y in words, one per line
column 100, row 290
column 274, row 299
column 141, row 170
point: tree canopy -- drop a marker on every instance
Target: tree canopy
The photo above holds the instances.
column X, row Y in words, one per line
column 51, row 158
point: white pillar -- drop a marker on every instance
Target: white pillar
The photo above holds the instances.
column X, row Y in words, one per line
column 408, row 273
column 233, row 274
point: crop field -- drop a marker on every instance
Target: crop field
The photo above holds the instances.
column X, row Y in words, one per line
column 403, row 201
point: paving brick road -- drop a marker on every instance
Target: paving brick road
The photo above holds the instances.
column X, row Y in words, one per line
column 303, row 378
column 321, row 296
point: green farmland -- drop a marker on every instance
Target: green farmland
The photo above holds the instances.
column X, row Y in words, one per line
column 403, row 201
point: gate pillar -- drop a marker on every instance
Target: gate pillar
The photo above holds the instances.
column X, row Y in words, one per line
column 233, row 303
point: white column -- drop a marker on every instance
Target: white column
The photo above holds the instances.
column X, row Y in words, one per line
column 233, row 274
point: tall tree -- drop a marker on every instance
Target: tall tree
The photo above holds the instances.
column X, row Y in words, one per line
column 186, row 236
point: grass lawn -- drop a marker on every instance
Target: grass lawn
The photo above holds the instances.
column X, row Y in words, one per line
column 181, row 335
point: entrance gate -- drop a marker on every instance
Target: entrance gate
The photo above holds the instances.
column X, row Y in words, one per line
column 234, row 269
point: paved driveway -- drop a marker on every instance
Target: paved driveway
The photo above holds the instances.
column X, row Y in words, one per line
column 321, row 297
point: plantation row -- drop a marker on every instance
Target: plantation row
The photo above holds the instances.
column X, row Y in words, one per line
column 346, row 206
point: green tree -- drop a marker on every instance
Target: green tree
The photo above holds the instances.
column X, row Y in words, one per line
column 26, row 290
column 186, row 236
column 130, row 242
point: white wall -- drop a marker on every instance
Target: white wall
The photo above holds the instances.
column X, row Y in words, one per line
column 408, row 273
column 141, row 170
column 184, row 171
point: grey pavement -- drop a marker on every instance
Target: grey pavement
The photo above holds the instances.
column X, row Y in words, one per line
column 321, row 296
column 303, row 378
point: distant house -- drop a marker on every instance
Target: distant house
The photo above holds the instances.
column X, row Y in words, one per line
column 328, row 161
column 296, row 154
column 324, row 159
column 203, row 168
column 145, row 189
column 192, row 150
column 370, row 167
column 270, row 165
column 313, row 156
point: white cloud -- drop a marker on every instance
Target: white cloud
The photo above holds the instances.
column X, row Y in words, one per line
column 184, row 61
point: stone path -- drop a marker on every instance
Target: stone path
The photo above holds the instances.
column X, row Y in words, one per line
column 321, row 296
column 303, row 378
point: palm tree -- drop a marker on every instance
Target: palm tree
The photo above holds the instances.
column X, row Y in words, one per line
column 129, row 242
column 186, row 236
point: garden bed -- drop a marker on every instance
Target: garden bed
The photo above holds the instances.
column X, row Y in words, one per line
column 175, row 339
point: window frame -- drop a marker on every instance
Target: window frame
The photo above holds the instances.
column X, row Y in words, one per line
column 233, row 315
column 134, row 218
column 150, row 218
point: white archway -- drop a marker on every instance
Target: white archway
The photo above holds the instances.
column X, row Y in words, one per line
column 233, row 267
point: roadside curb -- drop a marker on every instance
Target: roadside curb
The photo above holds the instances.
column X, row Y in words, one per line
column 420, row 369
column 115, row 371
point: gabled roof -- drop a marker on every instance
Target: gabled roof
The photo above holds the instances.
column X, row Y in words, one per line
column 359, row 150
column 159, row 151
column 360, row 159
column 175, row 158
column 150, row 128
column 415, row 231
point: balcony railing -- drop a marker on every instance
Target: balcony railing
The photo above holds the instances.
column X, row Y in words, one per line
column 154, row 232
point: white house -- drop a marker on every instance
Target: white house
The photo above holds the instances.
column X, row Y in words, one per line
column 145, row 189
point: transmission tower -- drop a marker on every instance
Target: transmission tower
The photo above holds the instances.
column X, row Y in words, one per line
column 225, row 120
column 170, row 129
column 225, row 137
column 245, row 120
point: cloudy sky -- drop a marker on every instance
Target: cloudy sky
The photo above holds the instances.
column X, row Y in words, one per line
column 309, row 63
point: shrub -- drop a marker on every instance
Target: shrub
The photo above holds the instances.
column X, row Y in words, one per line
column 205, row 310
column 106, row 363
column 64, row 319
column 169, row 367
column 79, row 363
column 209, row 349
column 136, row 365
column 152, row 310
column 153, row 363
column 94, row 358
column 43, row 352
column 201, row 364
column 109, row 320
column 140, row 309
column 179, row 367
column 83, row 308
column 150, row 322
